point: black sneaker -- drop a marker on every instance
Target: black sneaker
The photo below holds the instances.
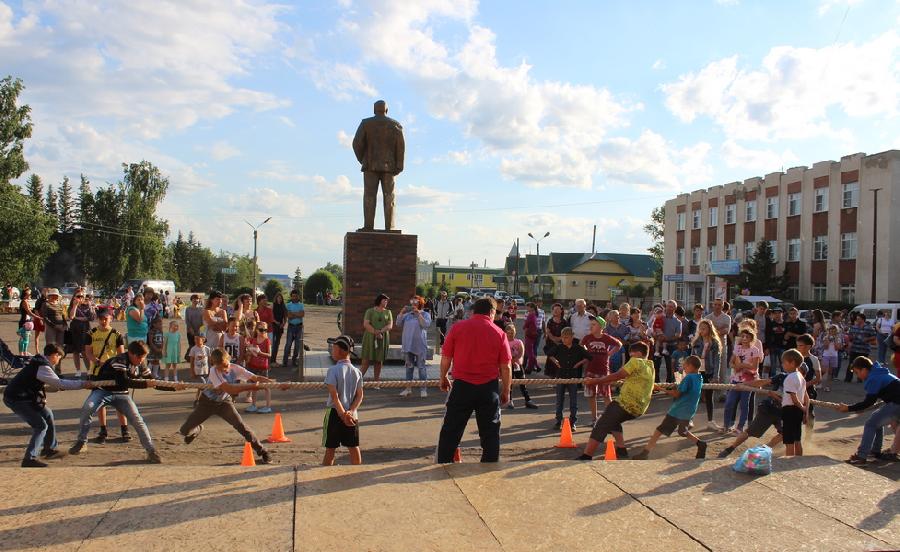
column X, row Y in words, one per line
column 585, row 457
column 557, row 425
column 153, row 457
column 888, row 456
column 78, row 447
column 856, row 460
column 643, row 455
column 621, row 452
column 701, row 449
column 52, row 454
column 30, row 462
column 189, row 438
column 265, row 457
column 726, row 452
column 531, row 405
column 126, row 436
column 101, row 437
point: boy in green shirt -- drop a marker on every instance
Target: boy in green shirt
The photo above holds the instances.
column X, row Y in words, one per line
column 632, row 402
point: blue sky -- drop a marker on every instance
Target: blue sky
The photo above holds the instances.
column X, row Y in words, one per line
column 518, row 116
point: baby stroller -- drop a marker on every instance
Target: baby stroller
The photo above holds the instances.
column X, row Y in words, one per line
column 10, row 363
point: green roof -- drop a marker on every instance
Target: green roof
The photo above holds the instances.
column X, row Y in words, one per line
column 563, row 263
column 531, row 264
column 638, row 265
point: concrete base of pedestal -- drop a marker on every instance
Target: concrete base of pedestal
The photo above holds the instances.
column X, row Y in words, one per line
column 377, row 262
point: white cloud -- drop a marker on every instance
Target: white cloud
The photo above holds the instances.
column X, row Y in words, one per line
column 760, row 162
column 344, row 139
column 287, row 121
column 222, row 150
column 790, row 95
column 339, row 190
column 826, row 5
column 424, row 196
column 458, row 157
column 652, row 163
column 728, row 2
column 659, row 65
column 342, row 81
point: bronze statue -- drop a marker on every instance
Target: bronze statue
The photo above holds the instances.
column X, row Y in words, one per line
column 379, row 147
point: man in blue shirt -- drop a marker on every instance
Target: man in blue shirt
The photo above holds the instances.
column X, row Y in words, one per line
column 294, row 337
column 687, row 397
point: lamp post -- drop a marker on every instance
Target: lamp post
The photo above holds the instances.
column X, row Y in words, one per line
column 255, row 234
column 473, row 266
column 538, row 242
column 874, row 238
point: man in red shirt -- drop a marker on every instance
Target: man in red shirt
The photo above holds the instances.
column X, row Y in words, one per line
column 265, row 313
column 478, row 352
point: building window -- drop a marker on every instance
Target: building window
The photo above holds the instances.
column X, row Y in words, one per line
column 851, row 195
column 711, row 254
column 696, row 220
column 820, row 248
column 730, row 214
column 695, row 256
column 848, row 293
column 681, row 220
column 679, row 257
column 793, row 293
column 452, row 276
column 793, row 250
column 793, row 204
column 771, row 207
column 710, row 293
column 679, row 292
column 713, row 216
column 848, row 245
column 591, row 287
column 821, row 200
column 730, row 251
column 819, row 292
column 773, row 245
column 749, row 250
column 750, row 211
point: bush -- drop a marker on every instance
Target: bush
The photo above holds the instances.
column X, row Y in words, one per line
column 273, row 288
column 323, row 281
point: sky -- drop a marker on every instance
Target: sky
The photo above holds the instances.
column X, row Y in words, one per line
column 519, row 116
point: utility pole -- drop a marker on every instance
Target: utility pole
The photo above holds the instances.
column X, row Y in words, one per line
column 539, row 283
column 874, row 238
column 255, row 270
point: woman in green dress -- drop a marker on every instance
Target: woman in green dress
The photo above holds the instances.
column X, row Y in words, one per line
column 377, row 323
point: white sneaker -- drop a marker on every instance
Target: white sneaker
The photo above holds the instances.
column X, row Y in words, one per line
column 406, row 392
column 714, row 426
column 423, row 392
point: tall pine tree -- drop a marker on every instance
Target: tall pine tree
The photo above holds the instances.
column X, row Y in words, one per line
column 50, row 204
column 66, row 203
column 759, row 273
column 35, row 189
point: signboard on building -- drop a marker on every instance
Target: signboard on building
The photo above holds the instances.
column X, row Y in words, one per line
column 725, row 268
column 721, row 289
column 673, row 277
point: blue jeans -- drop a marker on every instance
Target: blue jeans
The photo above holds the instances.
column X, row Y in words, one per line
column 873, row 430
column 294, row 336
column 561, row 390
column 412, row 361
column 882, row 347
column 43, row 432
column 123, row 404
column 731, row 402
column 775, row 360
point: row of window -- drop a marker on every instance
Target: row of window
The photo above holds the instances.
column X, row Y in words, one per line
column 820, row 250
column 850, row 199
column 819, row 293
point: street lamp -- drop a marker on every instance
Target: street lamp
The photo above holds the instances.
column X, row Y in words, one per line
column 473, row 266
column 538, row 241
column 255, row 233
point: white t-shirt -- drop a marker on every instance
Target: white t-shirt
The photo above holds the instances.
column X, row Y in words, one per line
column 793, row 383
column 232, row 345
column 581, row 324
column 886, row 325
column 201, row 360
column 216, row 379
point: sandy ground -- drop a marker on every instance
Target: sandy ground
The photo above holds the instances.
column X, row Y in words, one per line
column 392, row 428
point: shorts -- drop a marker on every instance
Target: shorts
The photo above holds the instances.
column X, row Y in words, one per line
column 767, row 416
column 610, row 421
column 669, row 424
column 830, row 362
column 335, row 432
column 791, row 424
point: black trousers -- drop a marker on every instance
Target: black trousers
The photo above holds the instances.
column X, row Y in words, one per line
column 670, row 372
column 207, row 407
column 466, row 398
column 442, row 328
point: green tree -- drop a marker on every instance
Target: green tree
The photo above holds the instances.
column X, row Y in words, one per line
column 27, row 237
column 656, row 229
column 85, row 199
column 50, row 205
column 335, row 269
column 759, row 273
column 66, row 205
column 15, row 128
column 320, row 280
column 273, row 288
column 35, row 189
column 297, row 282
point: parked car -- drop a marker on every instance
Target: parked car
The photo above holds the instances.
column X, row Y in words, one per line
column 520, row 301
column 806, row 316
column 870, row 309
column 138, row 285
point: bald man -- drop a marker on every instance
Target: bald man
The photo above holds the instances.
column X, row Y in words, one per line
column 379, row 147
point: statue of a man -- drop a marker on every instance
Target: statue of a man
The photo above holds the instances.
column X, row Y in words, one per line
column 379, row 147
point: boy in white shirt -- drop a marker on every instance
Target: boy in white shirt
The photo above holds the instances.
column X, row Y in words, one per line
column 794, row 403
column 345, row 394
column 199, row 356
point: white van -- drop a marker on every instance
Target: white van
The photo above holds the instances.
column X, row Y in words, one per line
column 137, row 285
column 870, row 309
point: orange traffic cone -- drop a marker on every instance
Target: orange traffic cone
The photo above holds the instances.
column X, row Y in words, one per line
column 278, row 435
column 565, row 436
column 457, row 457
column 247, row 459
column 610, row 450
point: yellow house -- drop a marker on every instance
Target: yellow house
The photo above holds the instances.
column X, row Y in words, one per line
column 463, row 278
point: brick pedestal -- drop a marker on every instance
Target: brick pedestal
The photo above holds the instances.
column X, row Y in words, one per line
column 377, row 262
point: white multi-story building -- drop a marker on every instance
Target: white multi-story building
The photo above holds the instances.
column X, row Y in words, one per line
column 820, row 221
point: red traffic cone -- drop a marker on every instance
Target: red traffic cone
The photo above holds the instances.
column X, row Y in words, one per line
column 278, row 435
column 565, row 436
column 457, row 457
column 610, row 450
column 247, row 459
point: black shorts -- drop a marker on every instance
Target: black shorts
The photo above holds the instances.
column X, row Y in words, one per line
column 767, row 416
column 336, row 433
column 791, row 424
column 611, row 420
column 669, row 424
